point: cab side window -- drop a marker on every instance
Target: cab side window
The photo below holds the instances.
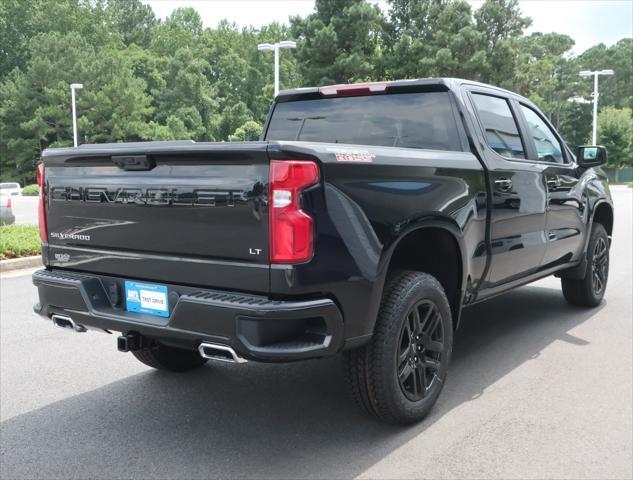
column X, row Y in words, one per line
column 547, row 145
column 502, row 133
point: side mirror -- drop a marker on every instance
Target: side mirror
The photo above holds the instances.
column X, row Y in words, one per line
column 591, row 155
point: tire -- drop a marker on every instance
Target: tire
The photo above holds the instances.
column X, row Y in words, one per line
column 386, row 375
column 162, row 357
column 589, row 291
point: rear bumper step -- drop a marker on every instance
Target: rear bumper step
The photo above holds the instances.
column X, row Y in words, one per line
column 245, row 326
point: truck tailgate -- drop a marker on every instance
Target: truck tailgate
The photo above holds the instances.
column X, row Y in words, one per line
column 186, row 212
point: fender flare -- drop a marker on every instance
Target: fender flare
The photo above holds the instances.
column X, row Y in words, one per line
column 597, row 203
column 435, row 222
column 600, row 201
column 579, row 271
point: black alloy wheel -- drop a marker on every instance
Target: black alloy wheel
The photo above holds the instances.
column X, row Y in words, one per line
column 599, row 265
column 589, row 290
column 420, row 352
column 399, row 374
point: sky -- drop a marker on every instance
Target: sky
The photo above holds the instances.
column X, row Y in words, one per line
column 588, row 22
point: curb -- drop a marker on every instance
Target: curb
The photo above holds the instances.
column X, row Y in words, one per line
column 18, row 263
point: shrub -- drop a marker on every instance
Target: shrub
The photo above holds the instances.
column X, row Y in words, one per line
column 249, row 131
column 31, row 190
column 19, row 241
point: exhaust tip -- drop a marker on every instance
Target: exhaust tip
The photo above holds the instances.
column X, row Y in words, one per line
column 221, row 353
column 64, row 321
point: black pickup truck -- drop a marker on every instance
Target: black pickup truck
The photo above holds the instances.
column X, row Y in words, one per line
column 363, row 222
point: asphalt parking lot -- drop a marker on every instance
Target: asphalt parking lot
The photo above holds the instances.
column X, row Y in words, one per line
column 537, row 389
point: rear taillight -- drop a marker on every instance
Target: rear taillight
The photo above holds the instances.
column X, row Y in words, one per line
column 291, row 229
column 9, row 202
column 41, row 207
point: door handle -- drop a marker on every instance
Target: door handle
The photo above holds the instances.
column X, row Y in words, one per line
column 553, row 182
column 503, row 184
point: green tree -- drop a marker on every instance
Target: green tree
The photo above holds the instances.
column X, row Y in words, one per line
column 541, row 58
column 615, row 131
column 433, row 38
column 182, row 29
column 574, row 122
column 502, row 24
column 233, row 118
column 17, row 26
column 339, row 42
column 616, row 90
column 574, row 119
column 114, row 103
column 134, row 20
column 22, row 20
column 147, row 79
column 545, row 75
column 187, row 95
column 35, row 104
column 249, row 131
column 240, row 73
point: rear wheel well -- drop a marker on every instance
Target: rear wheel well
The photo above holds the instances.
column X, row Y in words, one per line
column 434, row 251
column 604, row 216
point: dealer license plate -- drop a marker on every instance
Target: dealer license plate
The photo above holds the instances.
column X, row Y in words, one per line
column 147, row 298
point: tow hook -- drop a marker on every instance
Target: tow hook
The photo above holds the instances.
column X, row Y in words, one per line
column 129, row 342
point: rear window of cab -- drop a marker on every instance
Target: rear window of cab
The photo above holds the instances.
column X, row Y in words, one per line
column 422, row 120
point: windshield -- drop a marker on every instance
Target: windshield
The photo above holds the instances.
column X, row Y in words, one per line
column 413, row 120
column 9, row 185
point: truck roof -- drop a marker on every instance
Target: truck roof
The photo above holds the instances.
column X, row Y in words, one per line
column 418, row 84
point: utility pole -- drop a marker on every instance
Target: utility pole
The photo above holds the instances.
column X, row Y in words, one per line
column 73, row 87
column 595, row 95
column 274, row 47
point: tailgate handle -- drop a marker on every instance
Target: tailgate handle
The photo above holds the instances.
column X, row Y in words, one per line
column 133, row 162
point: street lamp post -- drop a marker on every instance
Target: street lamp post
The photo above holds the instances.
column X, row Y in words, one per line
column 596, row 94
column 274, row 47
column 73, row 87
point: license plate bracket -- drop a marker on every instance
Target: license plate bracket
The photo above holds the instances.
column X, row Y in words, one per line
column 149, row 298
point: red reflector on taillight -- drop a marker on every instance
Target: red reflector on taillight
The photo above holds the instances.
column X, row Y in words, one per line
column 39, row 174
column 8, row 202
column 41, row 206
column 291, row 229
column 353, row 89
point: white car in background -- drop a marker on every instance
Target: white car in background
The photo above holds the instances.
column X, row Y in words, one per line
column 10, row 188
column 6, row 212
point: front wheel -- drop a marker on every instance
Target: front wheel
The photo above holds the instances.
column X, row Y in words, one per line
column 589, row 291
column 399, row 374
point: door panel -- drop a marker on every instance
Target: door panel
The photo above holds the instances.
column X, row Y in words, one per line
column 566, row 212
column 517, row 230
column 565, row 224
column 517, row 219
